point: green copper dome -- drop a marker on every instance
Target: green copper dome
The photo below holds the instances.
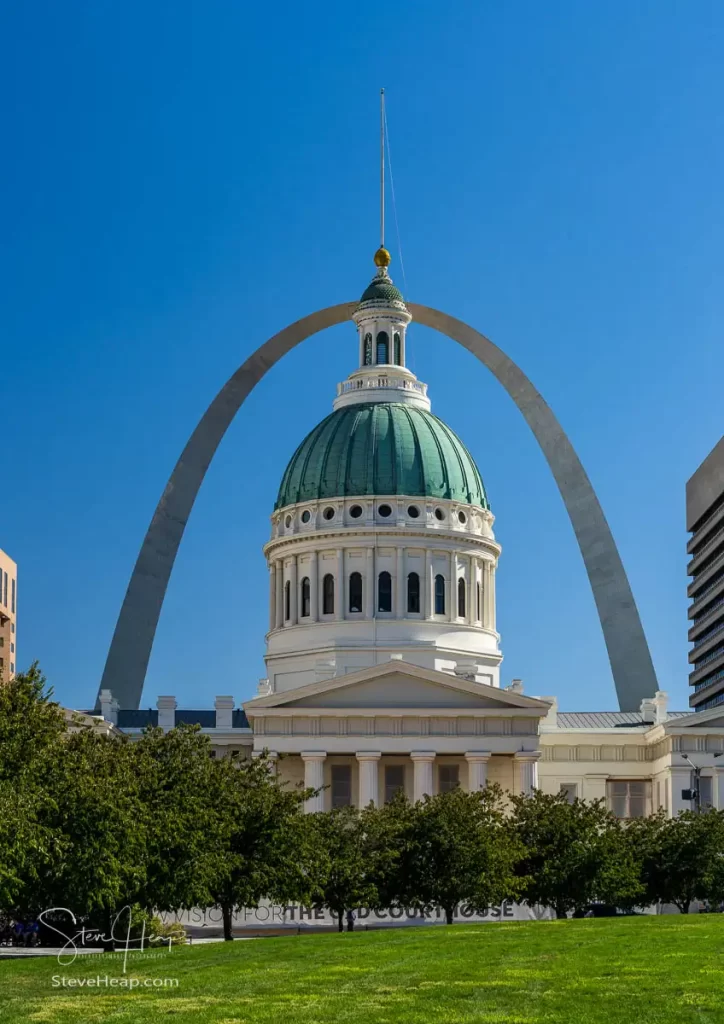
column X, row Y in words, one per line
column 381, row 448
column 381, row 289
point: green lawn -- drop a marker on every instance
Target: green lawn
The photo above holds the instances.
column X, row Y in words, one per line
column 668, row 969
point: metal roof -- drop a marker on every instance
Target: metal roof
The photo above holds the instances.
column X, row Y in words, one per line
column 608, row 719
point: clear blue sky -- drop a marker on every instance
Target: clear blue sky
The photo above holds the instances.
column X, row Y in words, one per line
column 180, row 180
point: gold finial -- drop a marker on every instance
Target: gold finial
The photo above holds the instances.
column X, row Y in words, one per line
column 382, row 257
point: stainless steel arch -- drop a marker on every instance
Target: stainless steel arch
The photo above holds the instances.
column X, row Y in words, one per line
column 130, row 650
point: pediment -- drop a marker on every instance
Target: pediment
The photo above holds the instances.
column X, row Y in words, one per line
column 398, row 685
column 711, row 719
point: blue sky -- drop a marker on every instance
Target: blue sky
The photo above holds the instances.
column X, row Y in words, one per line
column 182, row 179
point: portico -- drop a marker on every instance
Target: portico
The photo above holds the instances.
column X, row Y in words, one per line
column 398, row 726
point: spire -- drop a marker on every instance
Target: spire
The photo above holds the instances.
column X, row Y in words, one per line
column 382, row 256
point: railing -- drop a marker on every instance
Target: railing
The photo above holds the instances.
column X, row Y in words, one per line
column 379, row 381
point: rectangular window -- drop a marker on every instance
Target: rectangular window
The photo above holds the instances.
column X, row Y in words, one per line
column 5, row 591
column 12, row 648
column 448, row 777
column 12, row 627
column 2, row 662
column 12, row 668
column 570, row 790
column 12, row 605
column 629, row 799
column 2, row 641
column 341, row 785
column 394, row 780
column 706, row 791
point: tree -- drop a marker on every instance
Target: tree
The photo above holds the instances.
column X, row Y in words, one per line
column 265, row 847
column 575, row 854
column 31, row 727
column 454, row 848
column 344, row 881
column 682, row 858
column 179, row 782
column 97, row 812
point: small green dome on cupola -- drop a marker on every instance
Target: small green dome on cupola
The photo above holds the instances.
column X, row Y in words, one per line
column 381, row 448
column 382, row 290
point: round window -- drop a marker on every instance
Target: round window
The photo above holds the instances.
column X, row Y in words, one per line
column 462, row 517
column 385, row 511
column 306, row 515
column 439, row 514
column 356, row 511
column 288, row 521
column 413, row 512
column 328, row 513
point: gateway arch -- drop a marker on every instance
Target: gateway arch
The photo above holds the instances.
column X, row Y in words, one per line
column 130, row 650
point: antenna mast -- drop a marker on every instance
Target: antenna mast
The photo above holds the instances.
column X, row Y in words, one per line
column 382, row 168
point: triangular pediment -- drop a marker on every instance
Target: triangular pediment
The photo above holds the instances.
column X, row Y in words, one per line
column 711, row 719
column 397, row 684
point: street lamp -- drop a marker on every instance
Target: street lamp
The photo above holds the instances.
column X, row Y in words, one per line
column 694, row 794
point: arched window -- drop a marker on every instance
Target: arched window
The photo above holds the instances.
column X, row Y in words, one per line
column 398, row 349
column 368, row 350
column 384, row 592
column 480, row 603
column 413, row 593
column 328, row 594
column 461, row 598
column 355, row 592
column 383, row 347
column 287, row 601
column 305, row 597
column 439, row 595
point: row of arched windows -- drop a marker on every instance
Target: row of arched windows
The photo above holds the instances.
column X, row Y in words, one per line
column 382, row 349
column 384, row 595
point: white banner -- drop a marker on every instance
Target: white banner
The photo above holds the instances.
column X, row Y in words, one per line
column 273, row 915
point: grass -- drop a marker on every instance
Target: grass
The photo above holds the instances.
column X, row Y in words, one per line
column 643, row 970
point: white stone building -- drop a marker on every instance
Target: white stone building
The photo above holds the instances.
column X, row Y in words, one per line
column 382, row 652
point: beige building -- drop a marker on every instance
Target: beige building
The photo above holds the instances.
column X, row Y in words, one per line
column 8, row 615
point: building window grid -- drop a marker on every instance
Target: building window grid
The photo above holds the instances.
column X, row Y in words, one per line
column 705, row 615
column 394, row 781
column 341, row 785
column 448, row 777
column 629, row 798
column 708, row 657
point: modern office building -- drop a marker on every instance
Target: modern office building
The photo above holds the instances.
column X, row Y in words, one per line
column 705, row 522
column 8, row 615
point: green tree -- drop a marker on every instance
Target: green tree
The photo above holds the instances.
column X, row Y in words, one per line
column 31, row 727
column 184, row 833
column 575, row 854
column 344, row 880
column 266, row 849
column 682, row 858
column 453, row 848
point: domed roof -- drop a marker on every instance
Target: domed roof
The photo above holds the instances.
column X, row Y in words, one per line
column 381, row 448
column 381, row 289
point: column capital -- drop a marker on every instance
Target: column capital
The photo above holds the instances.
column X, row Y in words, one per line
column 478, row 756
column 368, row 755
column 422, row 755
column 313, row 755
column 528, row 755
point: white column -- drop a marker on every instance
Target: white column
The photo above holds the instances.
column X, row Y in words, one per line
column 428, row 584
column 279, row 588
column 492, row 596
column 680, row 779
column 477, row 770
column 401, row 589
column 528, row 762
column 719, row 788
column 314, row 587
column 272, row 596
column 313, row 779
column 339, row 586
column 423, row 783
column 369, row 594
column 452, row 608
column 486, row 595
column 472, row 575
column 368, row 778
column 293, row 593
